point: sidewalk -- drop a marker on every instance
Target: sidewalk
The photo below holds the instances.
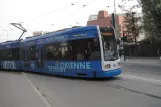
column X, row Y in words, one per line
column 16, row 91
column 154, row 61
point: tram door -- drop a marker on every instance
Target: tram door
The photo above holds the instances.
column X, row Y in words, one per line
column 39, row 62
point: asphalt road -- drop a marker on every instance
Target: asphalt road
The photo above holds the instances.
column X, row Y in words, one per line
column 115, row 92
column 151, row 69
column 137, row 86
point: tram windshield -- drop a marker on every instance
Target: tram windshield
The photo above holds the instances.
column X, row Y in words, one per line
column 109, row 44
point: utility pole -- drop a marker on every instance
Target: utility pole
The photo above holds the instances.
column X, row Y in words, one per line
column 113, row 21
column 115, row 17
column 124, row 40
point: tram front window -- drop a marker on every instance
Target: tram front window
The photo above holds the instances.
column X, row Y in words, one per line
column 109, row 47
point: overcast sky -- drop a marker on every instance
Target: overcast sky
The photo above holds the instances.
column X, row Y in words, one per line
column 47, row 15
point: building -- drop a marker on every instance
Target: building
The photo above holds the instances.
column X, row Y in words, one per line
column 103, row 19
column 37, row 33
column 92, row 17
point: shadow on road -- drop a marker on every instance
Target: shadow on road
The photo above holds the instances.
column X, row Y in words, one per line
column 63, row 77
column 11, row 71
column 76, row 78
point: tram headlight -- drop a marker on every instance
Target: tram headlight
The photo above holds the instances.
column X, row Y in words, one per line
column 106, row 66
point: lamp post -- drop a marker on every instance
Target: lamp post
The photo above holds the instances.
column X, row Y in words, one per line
column 115, row 17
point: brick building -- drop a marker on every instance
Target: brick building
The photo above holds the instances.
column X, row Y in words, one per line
column 103, row 19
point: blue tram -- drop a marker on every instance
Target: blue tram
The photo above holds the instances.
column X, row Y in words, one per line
column 89, row 52
column 9, row 55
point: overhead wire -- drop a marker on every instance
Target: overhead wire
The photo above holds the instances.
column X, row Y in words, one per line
column 63, row 8
column 86, row 6
column 81, row 8
column 47, row 13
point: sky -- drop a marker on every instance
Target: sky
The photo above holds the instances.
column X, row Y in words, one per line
column 48, row 15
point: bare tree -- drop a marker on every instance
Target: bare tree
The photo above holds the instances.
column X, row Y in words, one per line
column 131, row 21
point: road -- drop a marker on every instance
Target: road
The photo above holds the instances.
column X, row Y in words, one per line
column 145, row 67
column 138, row 86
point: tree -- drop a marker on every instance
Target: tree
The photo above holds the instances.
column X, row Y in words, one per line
column 130, row 24
column 152, row 17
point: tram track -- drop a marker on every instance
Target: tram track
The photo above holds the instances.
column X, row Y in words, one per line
column 139, row 80
column 115, row 83
column 131, row 90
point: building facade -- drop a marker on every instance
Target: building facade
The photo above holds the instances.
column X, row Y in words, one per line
column 37, row 33
column 103, row 19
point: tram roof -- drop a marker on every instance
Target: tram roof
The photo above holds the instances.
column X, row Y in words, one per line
column 61, row 32
column 9, row 44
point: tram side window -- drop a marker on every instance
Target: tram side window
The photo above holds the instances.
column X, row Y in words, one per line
column 51, row 52
column 31, row 53
column 58, row 51
column 1, row 52
column 8, row 54
column 86, row 49
column 42, row 53
column 83, row 49
column 78, row 49
column 3, row 56
column 94, row 49
column 13, row 54
column 0, row 55
column 16, row 54
column 22, row 54
column 65, row 51
column 25, row 55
